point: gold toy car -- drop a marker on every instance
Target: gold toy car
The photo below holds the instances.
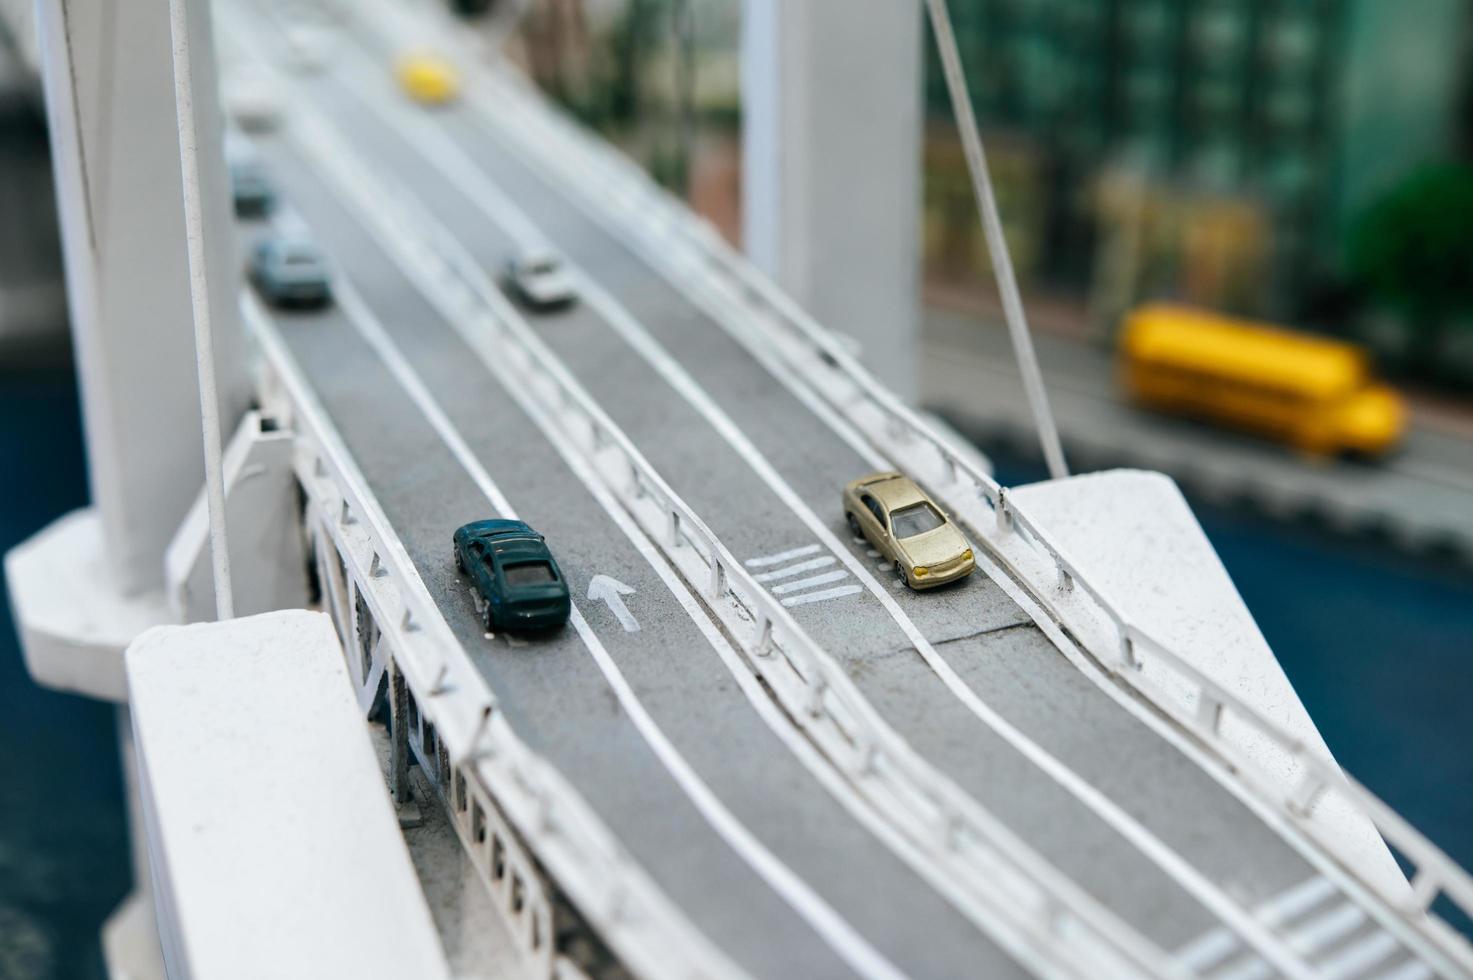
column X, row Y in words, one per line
column 428, row 78
column 908, row 528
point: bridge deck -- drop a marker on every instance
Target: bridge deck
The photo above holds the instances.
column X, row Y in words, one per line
column 962, row 673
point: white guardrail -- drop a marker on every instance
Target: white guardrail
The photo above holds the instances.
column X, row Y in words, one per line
column 1057, row 910
column 1145, row 664
column 1055, row 920
column 633, row 916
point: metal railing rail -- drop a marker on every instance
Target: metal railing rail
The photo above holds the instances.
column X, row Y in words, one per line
column 612, row 891
column 1056, row 918
column 1209, row 705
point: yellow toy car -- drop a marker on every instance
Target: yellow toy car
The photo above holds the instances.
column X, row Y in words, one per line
column 907, row 527
column 428, row 78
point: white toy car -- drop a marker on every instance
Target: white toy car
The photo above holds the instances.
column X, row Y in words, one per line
column 539, row 281
column 253, row 100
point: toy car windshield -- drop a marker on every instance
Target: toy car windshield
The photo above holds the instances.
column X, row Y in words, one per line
column 528, row 573
column 916, row 519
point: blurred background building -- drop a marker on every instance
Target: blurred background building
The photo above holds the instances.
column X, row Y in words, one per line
column 1298, row 160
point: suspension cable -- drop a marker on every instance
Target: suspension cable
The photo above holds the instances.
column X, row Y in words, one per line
column 199, row 296
column 997, row 246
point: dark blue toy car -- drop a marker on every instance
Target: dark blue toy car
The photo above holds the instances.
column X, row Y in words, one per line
column 515, row 573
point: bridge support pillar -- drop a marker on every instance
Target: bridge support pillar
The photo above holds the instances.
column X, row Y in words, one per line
column 109, row 87
column 831, row 155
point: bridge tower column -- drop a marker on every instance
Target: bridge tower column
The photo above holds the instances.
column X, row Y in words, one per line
column 115, row 148
column 84, row 586
column 832, row 115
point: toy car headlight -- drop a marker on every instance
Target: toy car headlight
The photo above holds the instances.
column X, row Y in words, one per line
column 920, row 571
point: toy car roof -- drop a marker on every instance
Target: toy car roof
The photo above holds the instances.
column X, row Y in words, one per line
column 896, row 491
column 498, row 528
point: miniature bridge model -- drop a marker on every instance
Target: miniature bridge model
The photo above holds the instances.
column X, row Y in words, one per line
column 753, row 750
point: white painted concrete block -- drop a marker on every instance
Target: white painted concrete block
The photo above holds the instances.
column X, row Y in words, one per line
column 263, row 519
column 1136, row 538
column 273, row 845
column 71, row 609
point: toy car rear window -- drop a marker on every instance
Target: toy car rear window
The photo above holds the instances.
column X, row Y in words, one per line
column 528, row 573
column 916, row 519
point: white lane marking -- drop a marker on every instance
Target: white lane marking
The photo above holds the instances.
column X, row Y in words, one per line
column 840, row 935
column 812, row 580
column 782, row 556
column 674, row 276
column 1207, row 950
column 452, row 160
column 872, row 553
column 1416, row 970
column 721, row 310
column 1292, row 902
column 797, row 569
column 1205, row 891
column 611, row 592
column 1359, row 957
column 1251, row 968
column 372, row 331
column 807, row 597
column 1316, row 934
column 1212, row 948
column 483, row 190
column 884, row 566
column 301, row 393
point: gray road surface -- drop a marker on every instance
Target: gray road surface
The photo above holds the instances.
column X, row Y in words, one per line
column 553, row 692
column 772, row 493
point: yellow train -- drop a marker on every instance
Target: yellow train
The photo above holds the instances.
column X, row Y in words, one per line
column 1312, row 393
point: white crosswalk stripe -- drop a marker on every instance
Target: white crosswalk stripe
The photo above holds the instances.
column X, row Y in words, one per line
column 1315, row 921
column 782, row 556
column 797, row 569
column 785, row 567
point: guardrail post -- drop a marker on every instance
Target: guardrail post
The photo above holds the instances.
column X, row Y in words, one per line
column 477, row 750
column 1004, row 519
column 1127, row 649
column 1066, row 580
column 763, row 647
column 399, row 736
column 718, row 574
column 1306, row 794
column 345, row 516
column 674, row 528
column 1209, row 712
column 952, row 828
column 815, row 699
column 1424, row 889
column 868, row 754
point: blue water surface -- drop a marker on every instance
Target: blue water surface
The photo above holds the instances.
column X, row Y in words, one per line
column 63, row 842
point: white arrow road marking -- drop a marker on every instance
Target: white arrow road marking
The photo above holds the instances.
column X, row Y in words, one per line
column 611, row 592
